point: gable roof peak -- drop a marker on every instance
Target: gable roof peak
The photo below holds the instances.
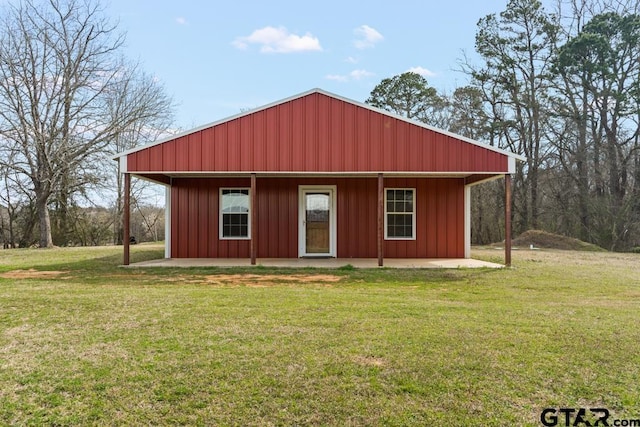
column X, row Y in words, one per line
column 330, row 95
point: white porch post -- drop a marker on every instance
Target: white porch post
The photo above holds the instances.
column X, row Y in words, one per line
column 467, row 221
column 167, row 221
column 127, row 218
column 380, row 220
column 507, row 220
column 253, row 246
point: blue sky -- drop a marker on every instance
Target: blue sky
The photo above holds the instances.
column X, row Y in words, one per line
column 217, row 58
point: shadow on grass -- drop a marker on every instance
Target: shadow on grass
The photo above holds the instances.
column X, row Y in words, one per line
column 100, row 268
column 74, row 259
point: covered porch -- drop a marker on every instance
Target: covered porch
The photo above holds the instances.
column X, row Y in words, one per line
column 318, row 175
column 278, row 223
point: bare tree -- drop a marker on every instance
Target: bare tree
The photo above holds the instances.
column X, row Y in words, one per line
column 17, row 219
column 60, row 74
column 150, row 219
column 145, row 91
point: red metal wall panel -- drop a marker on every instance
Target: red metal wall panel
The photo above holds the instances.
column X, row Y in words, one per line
column 317, row 133
column 439, row 218
column 143, row 160
column 362, row 141
column 233, row 134
column 194, row 220
column 194, row 149
column 349, row 130
column 169, row 156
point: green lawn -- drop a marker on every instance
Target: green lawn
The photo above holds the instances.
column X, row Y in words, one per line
column 92, row 343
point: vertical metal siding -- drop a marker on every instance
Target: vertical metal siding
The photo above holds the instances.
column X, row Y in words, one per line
column 194, row 150
column 431, row 212
column 336, row 136
column 192, row 223
column 310, row 132
column 203, row 220
column 317, row 133
column 297, row 139
column 155, row 157
column 143, row 160
column 283, row 137
column 271, row 131
column 258, row 142
column 169, row 156
column 212, row 223
column 195, row 217
column 132, row 162
column 322, row 143
column 208, row 150
column 422, row 204
column 349, row 131
column 362, row 140
column 194, row 220
column 233, row 144
column 439, row 220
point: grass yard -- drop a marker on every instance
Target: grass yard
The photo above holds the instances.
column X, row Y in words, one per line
column 83, row 342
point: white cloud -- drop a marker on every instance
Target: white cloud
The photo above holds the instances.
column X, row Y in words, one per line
column 336, row 77
column 360, row 74
column 278, row 40
column 354, row 75
column 366, row 37
column 422, row 71
column 181, row 20
column 351, row 60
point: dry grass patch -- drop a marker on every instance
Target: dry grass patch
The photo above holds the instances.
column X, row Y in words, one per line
column 32, row 274
column 265, row 280
column 378, row 362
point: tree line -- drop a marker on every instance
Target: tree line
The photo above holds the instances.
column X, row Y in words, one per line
column 562, row 88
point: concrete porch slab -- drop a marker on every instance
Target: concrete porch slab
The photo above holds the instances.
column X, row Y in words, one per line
column 320, row 262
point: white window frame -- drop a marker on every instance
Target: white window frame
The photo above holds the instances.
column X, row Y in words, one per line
column 413, row 216
column 220, row 214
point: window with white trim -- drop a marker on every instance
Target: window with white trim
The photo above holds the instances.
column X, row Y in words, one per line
column 235, row 207
column 399, row 213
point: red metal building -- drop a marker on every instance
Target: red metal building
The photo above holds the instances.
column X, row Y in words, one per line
column 317, row 174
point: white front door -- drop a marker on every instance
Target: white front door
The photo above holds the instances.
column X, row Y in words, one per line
column 317, row 226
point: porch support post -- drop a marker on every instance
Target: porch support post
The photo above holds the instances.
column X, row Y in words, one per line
column 380, row 220
column 507, row 220
column 253, row 245
column 127, row 215
column 467, row 221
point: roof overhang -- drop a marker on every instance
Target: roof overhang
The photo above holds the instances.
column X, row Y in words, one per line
column 166, row 178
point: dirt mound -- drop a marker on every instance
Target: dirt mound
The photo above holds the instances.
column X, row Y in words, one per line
column 546, row 240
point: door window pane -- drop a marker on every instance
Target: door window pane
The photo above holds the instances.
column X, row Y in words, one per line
column 317, row 225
